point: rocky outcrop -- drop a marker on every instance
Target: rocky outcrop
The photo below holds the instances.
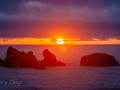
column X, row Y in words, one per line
column 40, row 67
column 50, row 59
column 1, row 63
column 15, row 58
column 98, row 59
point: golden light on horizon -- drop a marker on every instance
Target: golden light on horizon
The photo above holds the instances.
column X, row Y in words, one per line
column 60, row 41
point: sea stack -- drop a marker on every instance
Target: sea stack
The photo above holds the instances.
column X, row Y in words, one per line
column 98, row 59
column 50, row 59
column 1, row 63
column 15, row 58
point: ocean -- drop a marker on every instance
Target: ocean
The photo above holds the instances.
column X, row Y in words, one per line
column 69, row 77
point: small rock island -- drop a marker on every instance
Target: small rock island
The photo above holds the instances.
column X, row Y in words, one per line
column 50, row 59
column 20, row 59
column 98, row 59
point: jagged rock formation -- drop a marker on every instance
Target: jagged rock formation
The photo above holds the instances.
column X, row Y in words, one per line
column 1, row 63
column 15, row 58
column 50, row 59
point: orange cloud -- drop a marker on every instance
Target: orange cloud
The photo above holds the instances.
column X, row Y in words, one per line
column 49, row 41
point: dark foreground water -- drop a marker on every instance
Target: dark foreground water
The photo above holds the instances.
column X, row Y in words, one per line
column 70, row 77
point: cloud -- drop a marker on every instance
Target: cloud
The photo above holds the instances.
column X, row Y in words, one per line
column 36, row 10
column 100, row 18
column 4, row 16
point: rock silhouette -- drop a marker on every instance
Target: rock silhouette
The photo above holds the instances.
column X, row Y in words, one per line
column 15, row 58
column 50, row 59
column 1, row 63
column 98, row 59
column 39, row 67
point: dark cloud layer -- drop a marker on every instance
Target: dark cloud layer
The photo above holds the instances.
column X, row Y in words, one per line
column 91, row 18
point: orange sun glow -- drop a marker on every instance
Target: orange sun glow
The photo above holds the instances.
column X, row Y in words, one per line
column 60, row 41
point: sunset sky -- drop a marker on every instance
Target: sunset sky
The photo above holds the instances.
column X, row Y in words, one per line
column 44, row 21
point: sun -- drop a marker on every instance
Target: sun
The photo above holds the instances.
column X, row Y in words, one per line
column 60, row 41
